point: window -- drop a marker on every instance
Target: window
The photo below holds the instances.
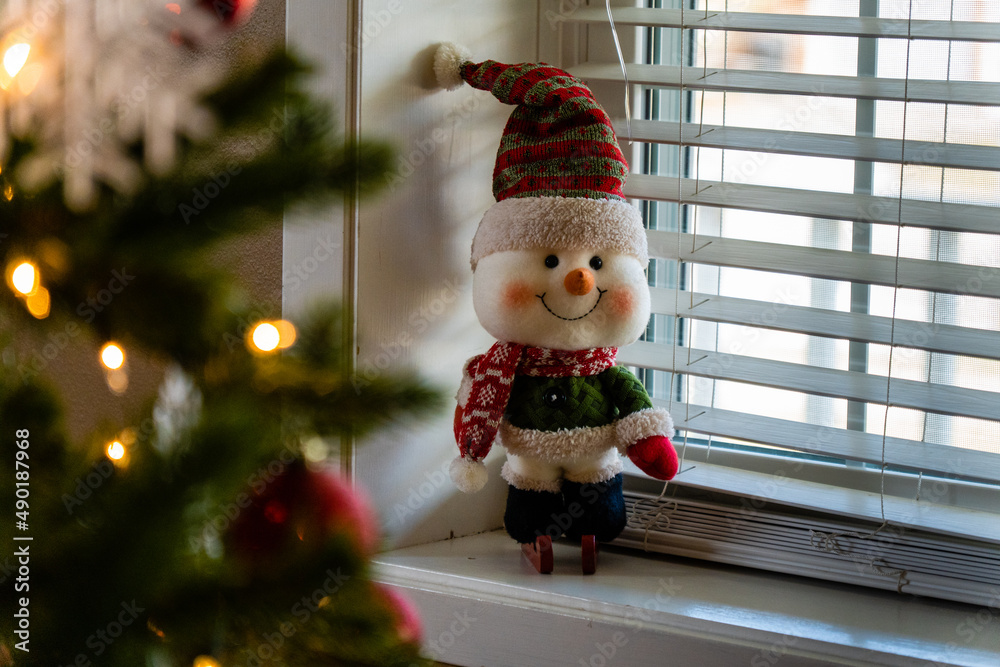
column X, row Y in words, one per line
column 405, row 269
column 821, row 185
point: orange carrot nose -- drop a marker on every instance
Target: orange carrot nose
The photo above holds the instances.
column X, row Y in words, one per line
column 579, row 282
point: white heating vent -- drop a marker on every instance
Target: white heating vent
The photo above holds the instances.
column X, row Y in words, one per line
column 772, row 538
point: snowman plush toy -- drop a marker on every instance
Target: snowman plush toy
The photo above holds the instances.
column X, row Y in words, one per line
column 559, row 280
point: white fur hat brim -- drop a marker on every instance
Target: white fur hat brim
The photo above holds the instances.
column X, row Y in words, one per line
column 558, row 223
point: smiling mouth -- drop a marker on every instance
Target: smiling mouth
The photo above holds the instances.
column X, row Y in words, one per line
column 600, row 294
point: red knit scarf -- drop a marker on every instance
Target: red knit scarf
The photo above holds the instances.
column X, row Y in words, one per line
column 493, row 375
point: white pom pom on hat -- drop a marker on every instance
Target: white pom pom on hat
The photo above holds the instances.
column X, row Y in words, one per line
column 468, row 476
column 448, row 59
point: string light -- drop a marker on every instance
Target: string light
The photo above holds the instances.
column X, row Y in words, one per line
column 116, row 451
column 15, row 53
column 154, row 629
column 24, row 278
column 112, row 356
column 286, row 333
column 39, row 303
column 265, row 337
column 315, row 450
column 117, row 380
column 271, row 336
column 205, row 661
column 15, row 57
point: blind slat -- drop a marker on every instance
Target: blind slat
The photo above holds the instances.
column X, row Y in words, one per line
column 958, row 521
column 821, row 489
column 845, row 147
column 779, row 83
column 726, row 527
column 926, row 567
column 919, row 274
column 835, row 442
column 929, row 397
column 811, row 204
column 793, row 24
column 919, row 546
column 862, row 327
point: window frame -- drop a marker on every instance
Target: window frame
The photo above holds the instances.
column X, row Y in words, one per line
column 500, row 589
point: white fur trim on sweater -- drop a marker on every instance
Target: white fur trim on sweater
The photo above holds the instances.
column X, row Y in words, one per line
column 528, row 483
column 447, row 60
column 643, row 424
column 595, row 476
column 468, row 476
column 527, row 223
column 529, row 474
column 556, row 447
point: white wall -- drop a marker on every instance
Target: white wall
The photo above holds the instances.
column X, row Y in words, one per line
column 413, row 281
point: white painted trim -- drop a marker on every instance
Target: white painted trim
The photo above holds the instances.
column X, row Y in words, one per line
column 313, row 271
column 315, row 29
column 483, row 605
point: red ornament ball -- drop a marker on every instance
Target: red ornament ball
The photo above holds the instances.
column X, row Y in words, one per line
column 409, row 628
column 300, row 509
column 230, row 12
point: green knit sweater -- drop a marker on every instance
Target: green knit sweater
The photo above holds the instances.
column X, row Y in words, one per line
column 551, row 404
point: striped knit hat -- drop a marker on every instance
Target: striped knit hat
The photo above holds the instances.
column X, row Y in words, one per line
column 559, row 171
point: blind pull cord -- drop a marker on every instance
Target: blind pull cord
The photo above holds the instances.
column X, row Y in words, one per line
column 621, row 61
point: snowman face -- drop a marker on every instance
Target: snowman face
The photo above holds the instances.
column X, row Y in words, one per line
column 566, row 300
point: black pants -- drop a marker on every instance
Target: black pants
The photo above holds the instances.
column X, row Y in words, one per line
column 579, row 509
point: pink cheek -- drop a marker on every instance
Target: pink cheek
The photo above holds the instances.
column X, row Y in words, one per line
column 622, row 302
column 517, row 295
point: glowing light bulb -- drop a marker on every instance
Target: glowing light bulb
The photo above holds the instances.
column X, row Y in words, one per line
column 286, row 333
column 116, row 451
column 265, row 337
column 24, row 277
column 39, row 303
column 15, row 57
column 112, row 356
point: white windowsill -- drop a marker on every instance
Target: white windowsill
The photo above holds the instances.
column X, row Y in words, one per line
column 482, row 604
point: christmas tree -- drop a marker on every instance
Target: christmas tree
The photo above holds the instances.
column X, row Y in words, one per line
column 205, row 530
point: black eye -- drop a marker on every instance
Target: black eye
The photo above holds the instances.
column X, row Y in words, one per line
column 552, row 261
column 596, row 263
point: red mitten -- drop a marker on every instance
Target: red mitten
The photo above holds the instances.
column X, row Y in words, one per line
column 655, row 456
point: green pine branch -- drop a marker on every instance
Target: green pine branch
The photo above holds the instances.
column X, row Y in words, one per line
column 146, row 541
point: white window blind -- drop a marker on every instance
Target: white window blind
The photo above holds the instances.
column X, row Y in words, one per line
column 821, row 185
